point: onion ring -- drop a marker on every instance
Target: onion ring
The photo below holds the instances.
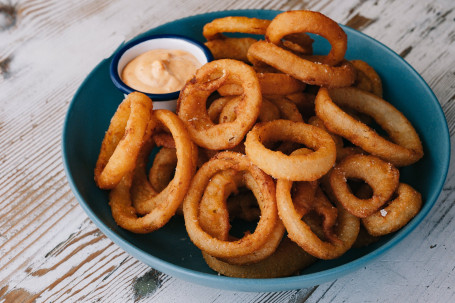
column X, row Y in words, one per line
column 215, row 108
column 304, row 202
column 157, row 208
column 288, row 259
column 316, row 121
column 396, row 214
column 299, row 43
column 304, row 102
column 228, row 113
column 271, row 84
column 164, row 139
column 269, row 111
column 191, row 107
column 163, row 168
column 382, row 177
column 298, row 167
column 123, row 140
column 369, row 75
column 288, row 109
column 249, row 243
column 234, row 24
column 274, row 237
column 302, row 69
column 293, row 22
column 342, row 151
column 265, row 251
column 303, row 196
column 298, row 231
column 218, row 204
column 213, row 212
column 145, row 198
column 230, row 48
column 404, row 148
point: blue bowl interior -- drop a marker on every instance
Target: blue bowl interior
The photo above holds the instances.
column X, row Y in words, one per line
column 169, row 249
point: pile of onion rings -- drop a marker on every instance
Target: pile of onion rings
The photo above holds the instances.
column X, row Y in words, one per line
column 276, row 157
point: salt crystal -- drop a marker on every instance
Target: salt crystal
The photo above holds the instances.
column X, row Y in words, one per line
column 383, row 212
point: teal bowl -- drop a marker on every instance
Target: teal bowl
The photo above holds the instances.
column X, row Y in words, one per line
column 169, row 249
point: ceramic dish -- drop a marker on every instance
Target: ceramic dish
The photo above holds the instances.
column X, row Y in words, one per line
column 169, row 249
column 132, row 49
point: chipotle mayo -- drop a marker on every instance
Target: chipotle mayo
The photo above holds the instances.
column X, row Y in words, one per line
column 160, row 71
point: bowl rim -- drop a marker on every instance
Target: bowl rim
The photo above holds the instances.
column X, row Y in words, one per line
column 118, row 82
column 264, row 285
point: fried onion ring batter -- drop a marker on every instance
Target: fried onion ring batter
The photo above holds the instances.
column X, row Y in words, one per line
column 403, row 148
column 302, row 69
column 266, row 200
column 347, row 226
column 308, row 167
column 294, row 22
column 396, row 214
column 123, row 140
column 382, row 177
column 191, row 107
column 156, row 208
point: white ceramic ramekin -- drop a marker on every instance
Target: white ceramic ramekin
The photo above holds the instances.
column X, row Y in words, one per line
column 136, row 47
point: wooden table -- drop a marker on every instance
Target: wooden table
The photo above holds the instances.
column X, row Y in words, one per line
column 51, row 252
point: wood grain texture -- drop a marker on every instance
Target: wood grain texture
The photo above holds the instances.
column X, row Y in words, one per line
column 51, row 252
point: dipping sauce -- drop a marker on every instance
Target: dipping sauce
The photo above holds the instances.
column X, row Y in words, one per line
column 160, row 71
